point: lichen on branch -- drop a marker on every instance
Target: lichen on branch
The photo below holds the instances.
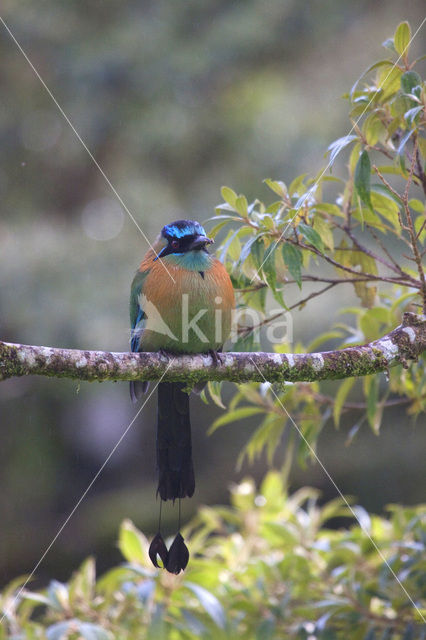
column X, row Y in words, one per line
column 404, row 343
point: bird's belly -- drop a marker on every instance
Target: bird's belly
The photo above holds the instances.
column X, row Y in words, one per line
column 189, row 315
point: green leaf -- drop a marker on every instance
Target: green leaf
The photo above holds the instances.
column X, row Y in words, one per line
column 380, row 63
column 411, row 114
column 85, row 630
column 353, row 159
column 232, row 235
column 401, row 159
column 341, row 396
column 383, row 189
column 268, row 266
column 113, row 579
column 332, row 209
column 402, row 38
column 267, row 436
column 338, row 145
column 210, row 604
column 296, row 184
column 132, row 543
column 246, row 249
column 373, row 413
column 241, row 206
column 274, row 207
column 257, row 252
column 388, row 83
column 363, row 178
column 233, row 416
column 257, row 300
column 312, row 236
column 306, row 198
column 405, row 138
column 417, row 205
column 325, row 230
column 293, row 259
column 59, row 630
column 323, row 337
column 37, row 598
column 420, row 228
column 217, row 227
column 389, row 44
column 91, row 631
column 277, row 186
column 268, row 222
column 229, row 196
column 83, row 582
column 214, row 388
column 409, row 80
column 58, row 594
column 353, row 432
column 379, row 313
column 374, row 129
column 247, row 342
column 158, row 628
column 386, row 204
column 194, row 625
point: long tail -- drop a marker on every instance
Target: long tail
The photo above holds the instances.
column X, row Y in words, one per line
column 174, row 450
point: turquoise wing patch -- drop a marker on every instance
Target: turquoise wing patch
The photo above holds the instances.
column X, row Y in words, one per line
column 137, row 315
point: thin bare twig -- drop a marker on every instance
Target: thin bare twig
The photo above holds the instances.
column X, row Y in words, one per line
column 385, row 250
column 412, row 232
column 361, row 406
column 338, row 265
column 310, row 278
column 393, row 267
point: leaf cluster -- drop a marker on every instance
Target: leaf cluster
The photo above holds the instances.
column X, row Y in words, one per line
column 365, row 230
column 268, row 566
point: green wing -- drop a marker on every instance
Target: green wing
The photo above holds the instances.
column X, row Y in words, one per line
column 137, row 315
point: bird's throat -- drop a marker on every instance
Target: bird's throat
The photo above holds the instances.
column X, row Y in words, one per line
column 190, row 260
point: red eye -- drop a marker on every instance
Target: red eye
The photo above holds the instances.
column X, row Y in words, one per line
column 175, row 244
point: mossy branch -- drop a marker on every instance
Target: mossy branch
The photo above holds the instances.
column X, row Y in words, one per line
column 404, row 343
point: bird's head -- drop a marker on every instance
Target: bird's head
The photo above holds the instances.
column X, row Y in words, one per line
column 183, row 237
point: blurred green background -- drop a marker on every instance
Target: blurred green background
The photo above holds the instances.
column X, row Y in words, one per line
column 174, row 99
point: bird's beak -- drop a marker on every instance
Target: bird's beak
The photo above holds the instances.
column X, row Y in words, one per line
column 200, row 242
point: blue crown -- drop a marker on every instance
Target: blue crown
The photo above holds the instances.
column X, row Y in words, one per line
column 182, row 228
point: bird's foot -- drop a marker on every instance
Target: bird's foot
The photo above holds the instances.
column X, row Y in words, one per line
column 216, row 356
column 165, row 354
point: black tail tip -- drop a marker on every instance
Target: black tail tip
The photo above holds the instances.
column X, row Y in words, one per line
column 173, row 560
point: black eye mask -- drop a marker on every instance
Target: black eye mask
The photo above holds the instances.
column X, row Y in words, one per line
column 183, row 245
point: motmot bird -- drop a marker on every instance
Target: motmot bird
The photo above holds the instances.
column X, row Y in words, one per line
column 181, row 302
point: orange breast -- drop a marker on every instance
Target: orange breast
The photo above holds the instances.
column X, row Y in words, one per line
column 189, row 314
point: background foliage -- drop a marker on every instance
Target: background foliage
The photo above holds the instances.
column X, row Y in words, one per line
column 230, row 95
column 268, row 566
